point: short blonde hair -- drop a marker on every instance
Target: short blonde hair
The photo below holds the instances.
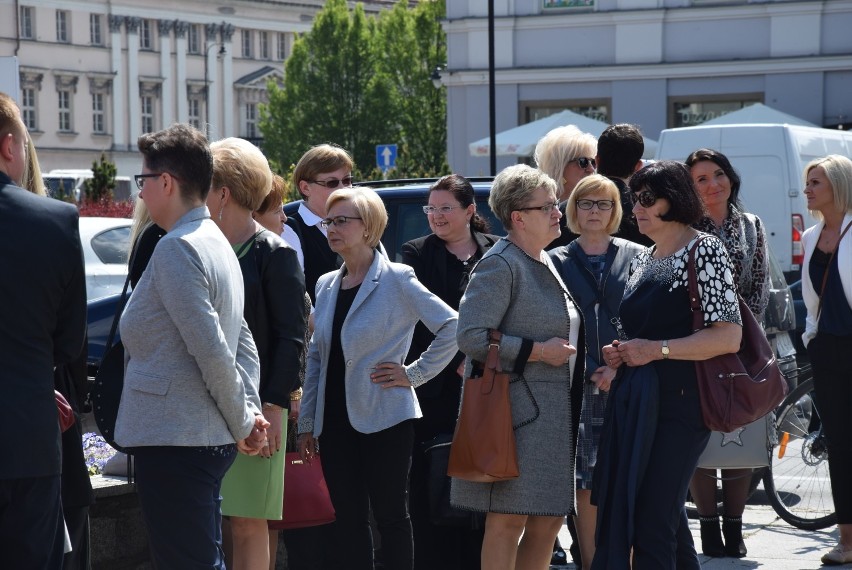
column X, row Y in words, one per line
column 370, row 208
column 593, row 184
column 241, row 167
column 838, row 170
column 512, row 189
column 559, row 147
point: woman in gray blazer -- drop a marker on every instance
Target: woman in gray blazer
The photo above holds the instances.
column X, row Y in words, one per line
column 358, row 397
column 515, row 289
column 190, row 395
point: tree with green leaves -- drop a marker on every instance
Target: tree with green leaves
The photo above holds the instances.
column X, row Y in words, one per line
column 332, row 91
column 100, row 186
column 359, row 81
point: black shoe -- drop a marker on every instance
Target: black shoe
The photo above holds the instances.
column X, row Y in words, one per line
column 711, row 537
column 732, row 528
column 575, row 554
column 559, row 557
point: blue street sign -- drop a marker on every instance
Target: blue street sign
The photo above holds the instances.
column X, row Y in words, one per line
column 386, row 156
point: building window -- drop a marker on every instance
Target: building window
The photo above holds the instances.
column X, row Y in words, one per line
column 598, row 111
column 145, row 38
column 27, row 24
column 264, row 44
column 251, row 120
column 247, row 41
column 62, row 26
column 549, row 4
column 28, row 108
column 686, row 113
column 95, row 27
column 98, row 113
column 194, row 39
column 195, row 112
column 282, row 47
column 147, row 114
column 64, row 106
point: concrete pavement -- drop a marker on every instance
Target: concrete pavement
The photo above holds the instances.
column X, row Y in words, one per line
column 772, row 543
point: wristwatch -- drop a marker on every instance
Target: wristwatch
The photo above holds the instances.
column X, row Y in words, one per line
column 665, row 349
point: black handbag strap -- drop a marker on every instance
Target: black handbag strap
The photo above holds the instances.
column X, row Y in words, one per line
column 123, row 298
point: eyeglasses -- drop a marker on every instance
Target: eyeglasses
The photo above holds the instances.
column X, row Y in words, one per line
column 140, row 178
column 443, row 210
column 547, row 208
column 645, row 198
column 337, row 221
column 601, row 204
column 333, row 183
column 585, row 162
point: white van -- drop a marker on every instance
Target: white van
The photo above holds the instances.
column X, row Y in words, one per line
column 69, row 182
column 770, row 159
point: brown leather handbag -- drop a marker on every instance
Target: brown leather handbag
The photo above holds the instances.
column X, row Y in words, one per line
column 483, row 448
column 735, row 389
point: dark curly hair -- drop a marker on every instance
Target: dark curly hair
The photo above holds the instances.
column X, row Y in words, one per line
column 462, row 190
column 671, row 180
column 722, row 162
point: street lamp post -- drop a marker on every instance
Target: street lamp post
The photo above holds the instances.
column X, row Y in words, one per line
column 207, row 85
column 492, row 106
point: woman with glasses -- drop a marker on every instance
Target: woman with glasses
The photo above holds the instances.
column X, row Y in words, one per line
column 320, row 171
column 359, row 400
column 654, row 432
column 190, row 397
column 516, row 290
column 567, row 155
column 594, row 268
column 442, row 262
column 718, row 186
column 253, row 488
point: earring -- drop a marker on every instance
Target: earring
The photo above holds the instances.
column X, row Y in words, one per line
column 222, row 209
column 564, row 181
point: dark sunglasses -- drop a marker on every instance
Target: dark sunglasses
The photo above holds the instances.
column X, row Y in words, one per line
column 585, row 162
column 333, row 183
column 601, row 204
column 645, row 198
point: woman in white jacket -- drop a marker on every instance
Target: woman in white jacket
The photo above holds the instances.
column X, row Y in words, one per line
column 827, row 292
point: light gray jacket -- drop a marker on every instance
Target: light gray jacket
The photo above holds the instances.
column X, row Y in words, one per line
column 191, row 367
column 378, row 328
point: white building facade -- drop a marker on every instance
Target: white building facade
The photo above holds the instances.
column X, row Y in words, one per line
column 96, row 74
column 656, row 63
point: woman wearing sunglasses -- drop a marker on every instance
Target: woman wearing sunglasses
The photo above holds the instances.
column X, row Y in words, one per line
column 718, row 186
column 567, row 155
column 653, row 432
column 442, row 261
column 594, row 268
column 320, row 171
column 359, row 398
column 516, row 290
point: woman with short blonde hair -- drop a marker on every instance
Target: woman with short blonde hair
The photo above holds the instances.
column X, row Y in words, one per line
column 370, row 207
column 594, row 184
column 567, row 155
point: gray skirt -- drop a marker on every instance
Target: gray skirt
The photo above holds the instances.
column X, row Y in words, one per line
column 545, row 453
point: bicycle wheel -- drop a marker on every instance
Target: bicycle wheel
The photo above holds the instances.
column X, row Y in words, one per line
column 797, row 482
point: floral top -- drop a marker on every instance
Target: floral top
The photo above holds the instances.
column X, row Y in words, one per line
column 745, row 239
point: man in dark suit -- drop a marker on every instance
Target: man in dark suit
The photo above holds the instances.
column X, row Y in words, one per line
column 620, row 149
column 42, row 324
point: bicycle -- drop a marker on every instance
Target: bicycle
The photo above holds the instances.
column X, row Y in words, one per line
column 797, row 482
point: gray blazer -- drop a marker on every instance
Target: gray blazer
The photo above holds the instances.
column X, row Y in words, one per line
column 378, row 328
column 191, row 368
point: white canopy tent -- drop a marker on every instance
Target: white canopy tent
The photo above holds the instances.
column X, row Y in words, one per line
column 757, row 113
column 521, row 140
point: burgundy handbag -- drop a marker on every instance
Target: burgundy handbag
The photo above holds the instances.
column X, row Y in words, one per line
column 735, row 389
column 66, row 414
column 483, row 448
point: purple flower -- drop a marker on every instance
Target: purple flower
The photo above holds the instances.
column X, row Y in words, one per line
column 97, row 452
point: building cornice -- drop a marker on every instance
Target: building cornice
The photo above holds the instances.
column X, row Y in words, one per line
column 634, row 72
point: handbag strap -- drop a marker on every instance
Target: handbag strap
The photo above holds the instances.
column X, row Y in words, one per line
column 692, row 277
column 492, row 361
column 119, row 307
column 828, row 267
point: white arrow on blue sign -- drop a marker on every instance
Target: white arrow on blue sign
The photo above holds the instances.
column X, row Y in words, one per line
column 386, row 156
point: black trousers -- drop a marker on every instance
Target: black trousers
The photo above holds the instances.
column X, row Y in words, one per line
column 32, row 531
column 663, row 540
column 831, row 359
column 365, row 471
column 179, row 493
